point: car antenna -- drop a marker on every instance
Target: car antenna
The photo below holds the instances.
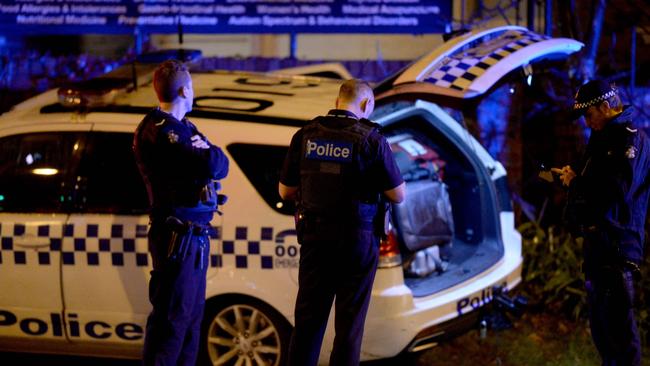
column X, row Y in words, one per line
column 137, row 50
column 134, row 75
column 181, row 52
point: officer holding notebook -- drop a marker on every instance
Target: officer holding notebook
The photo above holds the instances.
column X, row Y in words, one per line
column 607, row 202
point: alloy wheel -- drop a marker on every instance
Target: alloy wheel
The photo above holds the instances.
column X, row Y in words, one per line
column 243, row 335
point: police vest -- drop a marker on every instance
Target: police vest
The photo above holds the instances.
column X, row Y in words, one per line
column 331, row 181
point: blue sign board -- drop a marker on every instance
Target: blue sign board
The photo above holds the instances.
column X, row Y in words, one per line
column 224, row 16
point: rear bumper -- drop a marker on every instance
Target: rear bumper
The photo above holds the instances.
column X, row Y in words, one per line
column 396, row 321
column 431, row 336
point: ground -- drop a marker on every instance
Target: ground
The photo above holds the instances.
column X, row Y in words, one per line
column 535, row 340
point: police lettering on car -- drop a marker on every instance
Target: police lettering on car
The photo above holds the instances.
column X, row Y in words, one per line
column 55, row 325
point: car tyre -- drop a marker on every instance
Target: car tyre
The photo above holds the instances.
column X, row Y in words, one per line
column 243, row 331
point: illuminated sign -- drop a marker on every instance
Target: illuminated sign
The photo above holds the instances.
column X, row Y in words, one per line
column 224, row 16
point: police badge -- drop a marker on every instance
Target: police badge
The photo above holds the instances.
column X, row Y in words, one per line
column 630, row 153
column 173, row 138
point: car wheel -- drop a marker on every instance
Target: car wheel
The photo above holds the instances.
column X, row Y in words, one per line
column 244, row 332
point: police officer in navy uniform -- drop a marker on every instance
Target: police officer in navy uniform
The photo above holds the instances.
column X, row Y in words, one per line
column 607, row 204
column 180, row 168
column 337, row 169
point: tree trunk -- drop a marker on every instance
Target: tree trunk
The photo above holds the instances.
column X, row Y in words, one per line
column 576, row 28
column 588, row 64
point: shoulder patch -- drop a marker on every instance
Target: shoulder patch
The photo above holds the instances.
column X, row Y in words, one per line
column 162, row 121
column 630, row 152
column 632, row 130
column 172, row 136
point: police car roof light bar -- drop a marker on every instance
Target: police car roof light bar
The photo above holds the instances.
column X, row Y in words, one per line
column 102, row 90
column 92, row 93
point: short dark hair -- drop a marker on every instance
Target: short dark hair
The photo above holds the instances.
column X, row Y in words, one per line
column 169, row 78
column 353, row 89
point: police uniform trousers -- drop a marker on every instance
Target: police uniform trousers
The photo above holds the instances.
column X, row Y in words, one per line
column 177, row 293
column 610, row 298
column 341, row 270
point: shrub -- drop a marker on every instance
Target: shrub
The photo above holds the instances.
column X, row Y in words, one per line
column 553, row 279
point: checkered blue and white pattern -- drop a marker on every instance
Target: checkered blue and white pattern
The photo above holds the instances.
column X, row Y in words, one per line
column 86, row 244
column 119, row 245
column 249, row 249
column 461, row 69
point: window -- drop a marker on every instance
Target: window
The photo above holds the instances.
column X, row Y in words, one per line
column 36, row 170
column 262, row 164
column 109, row 181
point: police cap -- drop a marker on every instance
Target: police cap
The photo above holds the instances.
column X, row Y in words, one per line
column 591, row 94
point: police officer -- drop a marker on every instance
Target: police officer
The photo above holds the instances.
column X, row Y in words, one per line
column 337, row 168
column 607, row 204
column 179, row 167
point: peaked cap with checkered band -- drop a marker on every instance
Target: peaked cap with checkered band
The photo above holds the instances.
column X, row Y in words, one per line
column 591, row 94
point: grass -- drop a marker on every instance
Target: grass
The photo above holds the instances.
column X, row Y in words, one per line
column 535, row 340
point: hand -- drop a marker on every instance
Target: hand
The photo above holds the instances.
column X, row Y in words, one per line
column 566, row 174
column 199, row 142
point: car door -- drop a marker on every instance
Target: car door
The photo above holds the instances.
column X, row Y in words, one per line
column 105, row 280
column 256, row 252
column 36, row 189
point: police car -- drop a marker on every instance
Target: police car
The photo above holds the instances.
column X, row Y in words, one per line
column 74, row 265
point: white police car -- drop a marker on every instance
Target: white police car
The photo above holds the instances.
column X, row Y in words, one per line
column 73, row 251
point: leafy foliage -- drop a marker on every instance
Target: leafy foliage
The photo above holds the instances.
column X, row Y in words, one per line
column 553, row 279
column 552, row 269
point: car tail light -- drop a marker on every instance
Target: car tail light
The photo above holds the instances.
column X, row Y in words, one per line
column 389, row 255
